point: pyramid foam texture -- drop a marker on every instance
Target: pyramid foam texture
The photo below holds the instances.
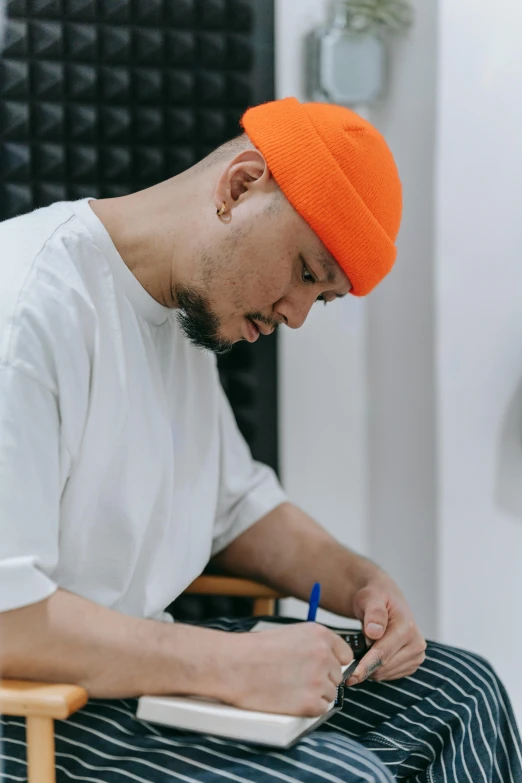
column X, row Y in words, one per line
column 103, row 97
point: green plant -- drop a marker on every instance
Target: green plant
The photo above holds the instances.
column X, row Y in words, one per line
column 378, row 17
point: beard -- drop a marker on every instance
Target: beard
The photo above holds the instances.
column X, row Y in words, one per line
column 199, row 324
column 202, row 326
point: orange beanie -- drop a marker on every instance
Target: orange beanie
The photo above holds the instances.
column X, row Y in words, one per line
column 337, row 171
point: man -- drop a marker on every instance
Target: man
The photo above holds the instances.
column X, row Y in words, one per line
column 122, row 472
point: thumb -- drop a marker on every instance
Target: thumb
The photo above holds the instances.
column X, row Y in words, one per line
column 375, row 620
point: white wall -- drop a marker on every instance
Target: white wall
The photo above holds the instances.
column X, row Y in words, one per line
column 479, row 332
column 402, row 514
column 322, row 365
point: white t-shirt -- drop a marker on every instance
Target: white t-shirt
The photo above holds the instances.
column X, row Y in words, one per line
column 121, row 466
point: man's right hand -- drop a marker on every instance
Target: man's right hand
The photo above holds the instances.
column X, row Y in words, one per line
column 293, row 670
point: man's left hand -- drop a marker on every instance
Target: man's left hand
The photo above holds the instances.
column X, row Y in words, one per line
column 398, row 646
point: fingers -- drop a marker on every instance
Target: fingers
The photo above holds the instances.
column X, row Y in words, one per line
column 403, row 663
column 336, row 676
column 381, row 664
column 375, row 614
column 342, row 650
column 330, row 692
column 340, row 654
column 398, row 647
column 314, row 707
column 397, row 675
column 378, row 655
column 331, row 652
column 324, row 705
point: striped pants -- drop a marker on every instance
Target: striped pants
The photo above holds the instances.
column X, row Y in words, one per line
column 451, row 722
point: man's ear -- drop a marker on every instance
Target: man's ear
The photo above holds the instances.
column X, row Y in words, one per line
column 246, row 171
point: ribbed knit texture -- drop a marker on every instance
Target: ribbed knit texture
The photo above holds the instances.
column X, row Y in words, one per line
column 339, row 174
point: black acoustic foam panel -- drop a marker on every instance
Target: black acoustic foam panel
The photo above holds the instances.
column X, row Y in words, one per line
column 105, row 97
column 101, row 97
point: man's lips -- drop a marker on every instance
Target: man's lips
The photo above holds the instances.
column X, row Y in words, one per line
column 259, row 327
column 265, row 329
column 252, row 330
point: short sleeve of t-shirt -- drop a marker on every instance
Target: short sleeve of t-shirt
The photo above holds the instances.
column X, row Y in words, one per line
column 29, row 490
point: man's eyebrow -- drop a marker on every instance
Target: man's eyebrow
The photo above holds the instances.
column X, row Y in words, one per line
column 328, row 268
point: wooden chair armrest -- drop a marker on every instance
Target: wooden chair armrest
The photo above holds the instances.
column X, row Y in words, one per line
column 231, row 585
column 50, row 700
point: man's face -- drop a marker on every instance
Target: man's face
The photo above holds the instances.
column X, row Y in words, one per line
column 264, row 269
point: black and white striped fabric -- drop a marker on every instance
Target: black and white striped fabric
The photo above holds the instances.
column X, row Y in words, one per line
column 451, row 722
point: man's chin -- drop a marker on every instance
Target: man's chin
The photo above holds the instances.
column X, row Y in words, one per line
column 213, row 345
column 217, row 345
column 220, row 343
column 223, row 348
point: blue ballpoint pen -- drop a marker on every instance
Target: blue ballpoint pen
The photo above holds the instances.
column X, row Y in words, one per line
column 314, row 601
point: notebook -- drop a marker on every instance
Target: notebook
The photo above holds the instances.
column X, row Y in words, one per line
column 207, row 716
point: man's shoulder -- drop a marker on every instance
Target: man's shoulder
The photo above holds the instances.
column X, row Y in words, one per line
column 39, row 279
column 23, row 237
column 23, row 240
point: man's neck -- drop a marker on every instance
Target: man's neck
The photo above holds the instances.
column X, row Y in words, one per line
column 151, row 235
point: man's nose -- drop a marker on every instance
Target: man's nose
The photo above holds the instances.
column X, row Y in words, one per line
column 294, row 311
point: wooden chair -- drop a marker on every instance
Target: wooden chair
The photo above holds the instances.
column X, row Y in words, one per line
column 42, row 703
column 264, row 597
